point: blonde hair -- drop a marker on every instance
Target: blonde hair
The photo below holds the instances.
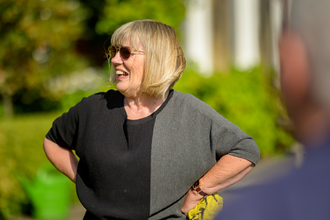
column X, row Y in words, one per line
column 164, row 58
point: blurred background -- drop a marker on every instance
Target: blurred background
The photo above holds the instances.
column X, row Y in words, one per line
column 52, row 53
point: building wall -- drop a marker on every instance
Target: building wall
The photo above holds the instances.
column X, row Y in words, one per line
column 198, row 34
column 224, row 33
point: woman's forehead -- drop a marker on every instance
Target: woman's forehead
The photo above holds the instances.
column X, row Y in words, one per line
column 135, row 43
column 127, row 40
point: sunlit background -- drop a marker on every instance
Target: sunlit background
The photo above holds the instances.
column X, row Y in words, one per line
column 52, row 53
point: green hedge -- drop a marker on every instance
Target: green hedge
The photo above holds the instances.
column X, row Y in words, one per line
column 21, row 153
column 248, row 100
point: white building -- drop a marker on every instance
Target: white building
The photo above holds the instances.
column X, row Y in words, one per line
column 240, row 33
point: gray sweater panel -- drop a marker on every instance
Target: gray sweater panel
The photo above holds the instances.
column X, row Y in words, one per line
column 189, row 138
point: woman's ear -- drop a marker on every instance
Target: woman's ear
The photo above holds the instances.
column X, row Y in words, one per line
column 295, row 71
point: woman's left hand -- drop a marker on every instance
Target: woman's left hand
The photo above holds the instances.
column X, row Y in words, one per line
column 191, row 200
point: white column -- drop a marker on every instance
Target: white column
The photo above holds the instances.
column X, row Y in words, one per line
column 277, row 14
column 246, row 39
column 198, row 39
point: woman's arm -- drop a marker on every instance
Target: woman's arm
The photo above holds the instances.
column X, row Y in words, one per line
column 63, row 159
column 227, row 171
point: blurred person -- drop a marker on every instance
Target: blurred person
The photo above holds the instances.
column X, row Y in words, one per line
column 304, row 193
column 145, row 150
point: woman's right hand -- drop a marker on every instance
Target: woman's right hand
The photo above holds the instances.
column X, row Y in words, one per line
column 191, row 200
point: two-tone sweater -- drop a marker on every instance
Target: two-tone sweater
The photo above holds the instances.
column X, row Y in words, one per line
column 142, row 169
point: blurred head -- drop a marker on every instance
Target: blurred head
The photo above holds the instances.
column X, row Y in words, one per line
column 305, row 60
column 163, row 62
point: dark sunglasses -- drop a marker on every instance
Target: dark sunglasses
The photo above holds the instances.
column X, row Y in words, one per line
column 125, row 52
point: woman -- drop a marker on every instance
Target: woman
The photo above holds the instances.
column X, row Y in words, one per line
column 143, row 147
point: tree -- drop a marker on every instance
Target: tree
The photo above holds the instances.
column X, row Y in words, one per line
column 108, row 15
column 118, row 12
column 37, row 41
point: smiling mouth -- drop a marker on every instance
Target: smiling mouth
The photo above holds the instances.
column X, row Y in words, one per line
column 121, row 73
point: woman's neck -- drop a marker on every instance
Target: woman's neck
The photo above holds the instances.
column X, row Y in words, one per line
column 142, row 106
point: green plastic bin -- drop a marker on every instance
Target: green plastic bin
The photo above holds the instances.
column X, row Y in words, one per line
column 49, row 193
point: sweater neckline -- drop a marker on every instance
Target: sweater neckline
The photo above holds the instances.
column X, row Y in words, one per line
column 154, row 114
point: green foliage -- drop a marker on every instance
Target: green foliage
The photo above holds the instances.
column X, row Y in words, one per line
column 245, row 98
column 117, row 12
column 37, row 41
column 70, row 100
column 21, row 153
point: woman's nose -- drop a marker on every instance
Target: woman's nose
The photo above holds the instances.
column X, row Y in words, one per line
column 116, row 59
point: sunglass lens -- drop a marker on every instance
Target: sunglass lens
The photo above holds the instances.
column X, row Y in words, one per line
column 125, row 52
column 112, row 51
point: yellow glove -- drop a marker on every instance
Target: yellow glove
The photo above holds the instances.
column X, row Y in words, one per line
column 207, row 208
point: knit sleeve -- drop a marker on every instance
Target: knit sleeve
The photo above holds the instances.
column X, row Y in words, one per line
column 230, row 139
column 64, row 130
column 225, row 137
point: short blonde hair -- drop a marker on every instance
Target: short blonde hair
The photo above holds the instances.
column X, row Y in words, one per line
column 164, row 58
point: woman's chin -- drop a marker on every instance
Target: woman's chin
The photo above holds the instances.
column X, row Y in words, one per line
column 121, row 87
column 124, row 90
